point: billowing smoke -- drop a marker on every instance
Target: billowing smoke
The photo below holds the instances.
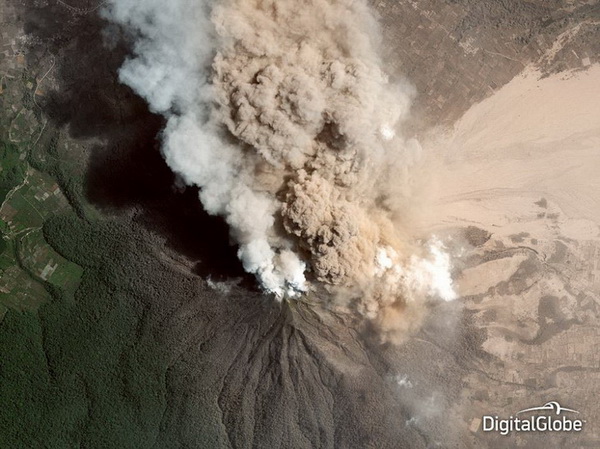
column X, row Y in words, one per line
column 280, row 112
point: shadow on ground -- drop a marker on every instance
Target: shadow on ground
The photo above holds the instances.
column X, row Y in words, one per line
column 126, row 171
column 147, row 355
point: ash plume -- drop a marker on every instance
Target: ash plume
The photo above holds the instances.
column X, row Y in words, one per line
column 281, row 113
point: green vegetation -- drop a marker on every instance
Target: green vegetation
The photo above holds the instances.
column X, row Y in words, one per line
column 29, row 196
column 3, row 244
column 83, row 361
column 26, row 259
column 78, row 366
column 11, row 170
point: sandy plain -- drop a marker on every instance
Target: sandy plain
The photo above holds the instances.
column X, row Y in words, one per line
column 535, row 138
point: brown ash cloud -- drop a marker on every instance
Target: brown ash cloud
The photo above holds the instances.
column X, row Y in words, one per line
column 281, row 112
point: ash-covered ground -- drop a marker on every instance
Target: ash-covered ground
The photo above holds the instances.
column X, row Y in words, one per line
column 168, row 343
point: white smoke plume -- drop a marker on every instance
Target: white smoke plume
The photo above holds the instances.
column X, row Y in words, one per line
column 280, row 112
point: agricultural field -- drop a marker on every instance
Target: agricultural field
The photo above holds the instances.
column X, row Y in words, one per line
column 29, row 196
